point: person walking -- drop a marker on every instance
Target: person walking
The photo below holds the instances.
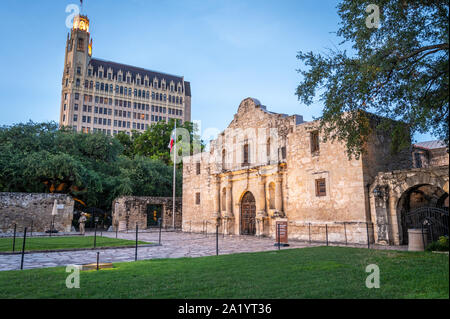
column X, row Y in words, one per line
column 82, row 220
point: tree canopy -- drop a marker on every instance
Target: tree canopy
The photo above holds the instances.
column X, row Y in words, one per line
column 153, row 143
column 397, row 69
column 93, row 168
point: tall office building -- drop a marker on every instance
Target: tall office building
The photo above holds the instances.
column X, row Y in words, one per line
column 110, row 97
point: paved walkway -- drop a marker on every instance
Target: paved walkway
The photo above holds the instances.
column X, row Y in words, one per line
column 174, row 245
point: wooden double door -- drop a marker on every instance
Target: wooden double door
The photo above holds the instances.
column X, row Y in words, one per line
column 248, row 214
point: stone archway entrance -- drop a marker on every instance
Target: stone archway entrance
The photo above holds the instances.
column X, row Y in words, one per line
column 420, row 197
column 398, row 194
column 248, row 214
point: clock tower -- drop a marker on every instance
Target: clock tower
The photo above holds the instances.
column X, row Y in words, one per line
column 77, row 58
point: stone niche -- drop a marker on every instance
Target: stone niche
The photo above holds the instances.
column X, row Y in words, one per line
column 145, row 212
column 35, row 210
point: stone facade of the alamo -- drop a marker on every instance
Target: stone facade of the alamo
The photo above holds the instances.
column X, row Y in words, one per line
column 268, row 167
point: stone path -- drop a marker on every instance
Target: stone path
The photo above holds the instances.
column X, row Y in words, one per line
column 174, row 245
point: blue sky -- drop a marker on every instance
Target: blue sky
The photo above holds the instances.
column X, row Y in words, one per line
column 227, row 49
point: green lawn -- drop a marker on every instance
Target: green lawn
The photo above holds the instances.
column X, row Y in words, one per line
column 56, row 243
column 320, row 272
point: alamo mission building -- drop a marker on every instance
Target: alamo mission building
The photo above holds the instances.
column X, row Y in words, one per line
column 267, row 168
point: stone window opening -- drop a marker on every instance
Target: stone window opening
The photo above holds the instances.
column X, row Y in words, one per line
column 197, row 198
column 268, row 149
column 321, row 187
column 246, row 153
column 283, row 153
column 314, row 136
column 224, row 159
column 80, row 45
column 198, row 170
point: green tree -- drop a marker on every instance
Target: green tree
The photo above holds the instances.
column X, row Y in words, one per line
column 399, row 71
column 127, row 142
column 38, row 157
column 154, row 141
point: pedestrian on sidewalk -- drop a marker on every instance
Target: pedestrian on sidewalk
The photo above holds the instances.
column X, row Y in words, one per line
column 82, row 220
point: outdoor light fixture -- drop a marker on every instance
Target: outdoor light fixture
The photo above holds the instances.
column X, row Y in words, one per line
column 377, row 192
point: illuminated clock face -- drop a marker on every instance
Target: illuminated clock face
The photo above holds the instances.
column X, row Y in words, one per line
column 82, row 25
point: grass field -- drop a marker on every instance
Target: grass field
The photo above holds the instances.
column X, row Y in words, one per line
column 320, row 272
column 57, row 243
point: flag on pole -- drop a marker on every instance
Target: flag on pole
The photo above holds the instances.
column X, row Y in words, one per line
column 172, row 140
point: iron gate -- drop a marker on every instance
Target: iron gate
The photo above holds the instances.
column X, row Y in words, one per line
column 433, row 219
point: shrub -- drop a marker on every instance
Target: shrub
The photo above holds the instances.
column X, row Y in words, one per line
column 440, row 245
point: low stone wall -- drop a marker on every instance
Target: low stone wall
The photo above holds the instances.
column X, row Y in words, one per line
column 129, row 211
column 35, row 210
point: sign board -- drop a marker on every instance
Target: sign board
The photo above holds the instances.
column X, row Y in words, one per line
column 282, row 232
column 60, row 206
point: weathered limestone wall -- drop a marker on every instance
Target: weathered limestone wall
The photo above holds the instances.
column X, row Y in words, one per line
column 345, row 188
column 439, row 157
column 26, row 209
column 129, row 210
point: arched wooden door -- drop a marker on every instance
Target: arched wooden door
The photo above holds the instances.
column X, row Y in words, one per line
column 248, row 214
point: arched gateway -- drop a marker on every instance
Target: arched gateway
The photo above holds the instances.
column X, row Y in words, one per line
column 248, row 214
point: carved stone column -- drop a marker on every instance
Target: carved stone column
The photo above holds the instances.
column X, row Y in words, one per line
column 228, row 216
column 261, row 212
column 278, row 195
column 394, row 229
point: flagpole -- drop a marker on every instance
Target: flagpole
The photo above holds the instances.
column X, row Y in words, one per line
column 174, row 173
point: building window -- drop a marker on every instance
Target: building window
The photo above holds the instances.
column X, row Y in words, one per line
column 246, row 154
column 321, row 187
column 197, row 198
column 283, row 152
column 418, row 160
column 80, row 45
column 198, row 168
column 314, row 141
column 224, row 159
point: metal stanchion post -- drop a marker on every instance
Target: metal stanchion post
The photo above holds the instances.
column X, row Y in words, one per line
column 160, row 230
column 345, row 233
column 95, row 234
column 98, row 257
column 14, row 237
column 135, row 254
column 23, row 247
column 278, row 235
column 217, row 240
column 368, row 239
column 326, row 230
column 309, row 232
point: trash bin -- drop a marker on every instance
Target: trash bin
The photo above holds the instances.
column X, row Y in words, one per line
column 417, row 240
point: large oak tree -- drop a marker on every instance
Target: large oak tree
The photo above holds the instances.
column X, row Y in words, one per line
column 399, row 71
